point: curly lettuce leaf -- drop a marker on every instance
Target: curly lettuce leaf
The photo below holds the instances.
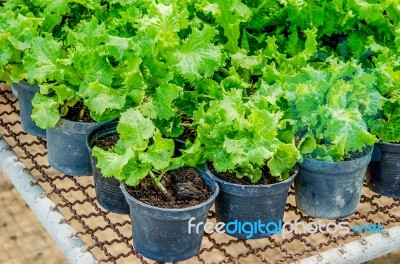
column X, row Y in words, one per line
column 387, row 128
column 229, row 14
column 90, row 34
column 134, row 129
column 165, row 21
column 161, row 105
column 159, row 154
column 100, row 98
column 43, row 62
column 242, row 137
column 45, row 111
column 198, row 57
column 112, row 164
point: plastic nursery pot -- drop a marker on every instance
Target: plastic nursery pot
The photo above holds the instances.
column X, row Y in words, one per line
column 108, row 192
column 14, row 90
column 330, row 190
column 162, row 234
column 66, row 147
column 26, row 92
column 238, row 205
column 385, row 174
column 376, row 153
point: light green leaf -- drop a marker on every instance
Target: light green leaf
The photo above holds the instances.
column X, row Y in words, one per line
column 307, row 145
column 42, row 61
column 348, row 132
column 166, row 21
column 159, row 154
column 134, row 129
column 240, row 59
column 134, row 172
column 161, row 105
column 283, row 161
column 112, row 164
column 90, row 66
column 45, row 111
column 229, row 14
column 90, row 34
column 198, row 56
column 100, row 98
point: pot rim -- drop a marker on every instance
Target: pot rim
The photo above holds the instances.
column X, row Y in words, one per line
column 190, row 208
column 26, row 85
column 257, row 186
column 389, row 144
column 98, row 129
column 62, row 119
column 338, row 162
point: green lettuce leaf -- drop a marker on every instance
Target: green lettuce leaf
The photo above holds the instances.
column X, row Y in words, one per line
column 198, row 57
column 45, row 111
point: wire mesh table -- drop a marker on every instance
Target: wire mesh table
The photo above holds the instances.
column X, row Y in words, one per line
column 97, row 235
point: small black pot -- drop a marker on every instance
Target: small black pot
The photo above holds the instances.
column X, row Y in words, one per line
column 162, row 234
column 108, row 192
column 66, row 147
column 14, row 89
column 330, row 190
column 376, row 153
column 241, row 204
column 26, row 92
column 385, row 174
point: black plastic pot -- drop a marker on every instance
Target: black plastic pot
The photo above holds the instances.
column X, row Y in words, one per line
column 26, row 92
column 66, row 147
column 385, row 174
column 108, row 192
column 162, row 234
column 14, row 90
column 240, row 204
column 376, row 153
column 330, row 190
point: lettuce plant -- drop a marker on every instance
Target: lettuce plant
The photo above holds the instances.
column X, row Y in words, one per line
column 90, row 66
column 140, row 152
column 332, row 107
column 387, row 125
column 244, row 134
column 17, row 32
column 22, row 21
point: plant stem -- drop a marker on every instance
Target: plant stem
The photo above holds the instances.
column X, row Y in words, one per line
column 204, row 96
column 186, row 125
column 82, row 112
column 159, row 185
column 246, row 75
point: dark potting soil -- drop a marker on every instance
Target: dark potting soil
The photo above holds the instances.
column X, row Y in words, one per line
column 185, row 186
column 266, row 178
column 107, row 142
column 357, row 155
column 189, row 132
column 79, row 113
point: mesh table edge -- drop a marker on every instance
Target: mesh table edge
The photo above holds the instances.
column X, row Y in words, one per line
column 52, row 220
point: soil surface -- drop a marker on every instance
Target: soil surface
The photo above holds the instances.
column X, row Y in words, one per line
column 266, row 178
column 185, row 186
column 107, row 142
column 358, row 154
column 79, row 113
column 189, row 132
